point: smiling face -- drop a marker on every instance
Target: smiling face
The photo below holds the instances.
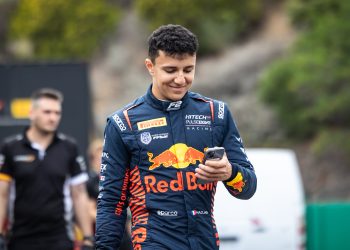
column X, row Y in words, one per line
column 172, row 76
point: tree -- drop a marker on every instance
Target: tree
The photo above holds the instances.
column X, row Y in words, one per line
column 216, row 23
column 60, row 29
column 310, row 87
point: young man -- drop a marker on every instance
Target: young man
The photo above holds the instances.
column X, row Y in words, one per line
column 153, row 152
column 46, row 168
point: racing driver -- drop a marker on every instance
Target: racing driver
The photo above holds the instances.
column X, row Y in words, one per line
column 153, row 152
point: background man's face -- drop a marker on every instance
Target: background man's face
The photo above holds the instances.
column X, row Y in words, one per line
column 172, row 76
column 45, row 115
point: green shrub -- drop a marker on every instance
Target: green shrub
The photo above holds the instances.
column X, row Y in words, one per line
column 61, row 29
column 310, row 87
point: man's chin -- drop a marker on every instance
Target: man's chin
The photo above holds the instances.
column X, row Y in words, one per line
column 176, row 97
column 48, row 131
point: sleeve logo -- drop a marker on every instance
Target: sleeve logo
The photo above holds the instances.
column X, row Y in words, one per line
column 119, row 122
column 221, row 110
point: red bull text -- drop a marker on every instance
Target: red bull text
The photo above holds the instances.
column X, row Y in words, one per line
column 183, row 181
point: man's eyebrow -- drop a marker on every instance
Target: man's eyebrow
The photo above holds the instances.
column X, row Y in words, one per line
column 175, row 67
column 166, row 66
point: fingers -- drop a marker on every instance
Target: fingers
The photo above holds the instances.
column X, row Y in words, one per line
column 210, row 173
column 214, row 170
column 209, row 177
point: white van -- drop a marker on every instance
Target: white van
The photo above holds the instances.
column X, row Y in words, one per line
column 273, row 219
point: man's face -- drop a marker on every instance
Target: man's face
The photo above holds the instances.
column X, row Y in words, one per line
column 45, row 115
column 171, row 76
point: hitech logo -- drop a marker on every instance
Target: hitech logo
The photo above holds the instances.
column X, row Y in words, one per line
column 177, row 156
column 199, row 212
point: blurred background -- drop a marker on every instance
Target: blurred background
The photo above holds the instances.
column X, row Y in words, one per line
column 283, row 67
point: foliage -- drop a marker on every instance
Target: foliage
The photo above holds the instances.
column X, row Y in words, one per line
column 332, row 143
column 310, row 87
column 60, row 29
column 216, row 23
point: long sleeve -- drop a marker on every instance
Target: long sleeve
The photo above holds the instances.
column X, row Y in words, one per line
column 113, row 195
column 242, row 183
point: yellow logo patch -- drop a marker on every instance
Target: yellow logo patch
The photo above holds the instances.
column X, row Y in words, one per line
column 237, row 183
column 158, row 122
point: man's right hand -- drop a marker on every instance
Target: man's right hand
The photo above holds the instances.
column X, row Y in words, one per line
column 2, row 243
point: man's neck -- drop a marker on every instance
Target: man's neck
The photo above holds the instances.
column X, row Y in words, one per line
column 42, row 138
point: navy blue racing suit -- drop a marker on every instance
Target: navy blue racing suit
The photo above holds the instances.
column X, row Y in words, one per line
column 151, row 150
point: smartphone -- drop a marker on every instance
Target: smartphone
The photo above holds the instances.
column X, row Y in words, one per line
column 215, row 153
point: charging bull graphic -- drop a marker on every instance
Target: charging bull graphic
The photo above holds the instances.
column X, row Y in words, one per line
column 177, row 156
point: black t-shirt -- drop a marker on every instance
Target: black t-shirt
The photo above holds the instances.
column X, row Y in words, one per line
column 42, row 205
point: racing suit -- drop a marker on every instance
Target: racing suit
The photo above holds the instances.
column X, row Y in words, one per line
column 151, row 150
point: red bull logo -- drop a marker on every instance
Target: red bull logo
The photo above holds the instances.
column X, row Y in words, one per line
column 237, row 183
column 177, row 156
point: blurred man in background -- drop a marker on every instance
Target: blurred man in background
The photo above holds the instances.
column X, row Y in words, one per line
column 153, row 152
column 48, row 174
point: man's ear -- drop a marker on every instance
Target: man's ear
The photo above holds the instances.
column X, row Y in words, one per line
column 31, row 111
column 149, row 65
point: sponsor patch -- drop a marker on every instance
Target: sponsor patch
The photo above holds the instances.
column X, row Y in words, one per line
column 153, row 123
column 199, row 212
column 167, row 213
column 160, row 136
column 119, row 122
column 146, row 138
column 198, row 122
column 237, row 183
column 174, row 106
column 221, row 110
column 105, row 155
column 24, row 158
column 103, row 168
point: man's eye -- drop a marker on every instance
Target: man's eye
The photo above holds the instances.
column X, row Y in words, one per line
column 188, row 70
column 169, row 71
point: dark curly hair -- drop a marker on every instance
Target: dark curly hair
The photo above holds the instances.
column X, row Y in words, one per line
column 173, row 40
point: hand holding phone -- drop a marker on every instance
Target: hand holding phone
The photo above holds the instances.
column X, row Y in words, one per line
column 215, row 153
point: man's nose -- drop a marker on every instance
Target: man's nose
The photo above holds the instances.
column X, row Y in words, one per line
column 180, row 78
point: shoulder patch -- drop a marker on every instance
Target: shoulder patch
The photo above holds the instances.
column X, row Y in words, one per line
column 121, row 117
column 119, row 122
column 221, row 111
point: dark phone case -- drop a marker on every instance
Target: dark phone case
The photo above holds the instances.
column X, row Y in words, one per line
column 215, row 153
